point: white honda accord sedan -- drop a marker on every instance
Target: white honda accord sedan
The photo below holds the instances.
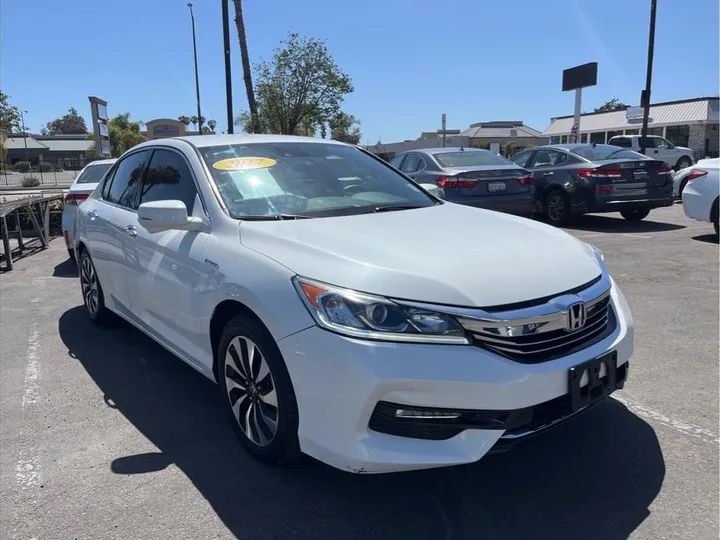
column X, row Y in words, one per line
column 345, row 311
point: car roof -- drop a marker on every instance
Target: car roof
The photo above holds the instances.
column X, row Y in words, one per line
column 204, row 141
column 447, row 150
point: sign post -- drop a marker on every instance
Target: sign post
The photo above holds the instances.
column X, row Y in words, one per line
column 577, row 78
column 101, row 134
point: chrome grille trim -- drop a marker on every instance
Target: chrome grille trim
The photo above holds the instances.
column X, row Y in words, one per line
column 538, row 333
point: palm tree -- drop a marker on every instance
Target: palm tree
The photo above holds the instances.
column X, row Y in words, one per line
column 184, row 119
column 247, row 74
column 211, row 124
column 194, row 121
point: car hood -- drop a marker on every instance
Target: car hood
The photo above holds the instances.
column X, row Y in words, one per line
column 445, row 254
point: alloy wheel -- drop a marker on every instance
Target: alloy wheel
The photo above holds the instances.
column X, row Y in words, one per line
column 251, row 390
column 89, row 284
column 555, row 208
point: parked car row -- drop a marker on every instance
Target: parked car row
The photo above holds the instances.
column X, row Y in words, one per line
column 558, row 181
column 348, row 313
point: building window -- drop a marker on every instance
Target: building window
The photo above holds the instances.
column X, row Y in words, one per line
column 678, row 135
column 555, row 139
column 597, row 138
column 563, row 139
column 611, row 134
column 583, row 137
column 655, row 131
column 632, row 132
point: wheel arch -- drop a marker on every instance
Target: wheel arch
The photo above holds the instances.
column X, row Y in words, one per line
column 714, row 209
column 223, row 312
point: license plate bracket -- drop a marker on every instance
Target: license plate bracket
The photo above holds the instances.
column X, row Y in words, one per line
column 597, row 386
column 497, row 186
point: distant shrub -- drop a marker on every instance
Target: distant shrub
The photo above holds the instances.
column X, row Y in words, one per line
column 31, row 181
column 22, row 166
column 46, row 167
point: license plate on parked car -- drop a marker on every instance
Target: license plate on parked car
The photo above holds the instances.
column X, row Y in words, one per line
column 640, row 175
column 592, row 380
column 494, row 187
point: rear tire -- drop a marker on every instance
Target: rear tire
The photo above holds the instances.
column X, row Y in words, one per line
column 257, row 392
column 556, row 208
column 635, row 215
column 92, row 292
column 682, row 163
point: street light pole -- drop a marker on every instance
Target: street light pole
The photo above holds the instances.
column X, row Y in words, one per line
column 22, row 120
column 197, row 78
column 645, row 96
column 228, row 72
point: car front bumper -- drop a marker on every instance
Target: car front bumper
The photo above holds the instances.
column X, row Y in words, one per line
column 339, row 382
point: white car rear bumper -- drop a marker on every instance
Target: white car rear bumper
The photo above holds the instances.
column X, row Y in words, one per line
column 695, row 204
column 338, row 382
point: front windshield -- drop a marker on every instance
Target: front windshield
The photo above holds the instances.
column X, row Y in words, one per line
column 93, row 173
column 471, row 158
column 605, row 151
column 306, row 180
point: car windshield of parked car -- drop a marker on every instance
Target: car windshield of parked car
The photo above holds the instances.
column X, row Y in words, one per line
column 469, row 159
column 307, row 180
column 93, row 173
column 600, row 152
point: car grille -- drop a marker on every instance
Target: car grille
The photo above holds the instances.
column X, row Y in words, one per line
column 534, row 339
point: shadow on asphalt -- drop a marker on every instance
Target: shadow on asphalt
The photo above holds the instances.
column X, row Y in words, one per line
column 589, row 478
column 709, row 238
column 67, row 268
column 616, row 223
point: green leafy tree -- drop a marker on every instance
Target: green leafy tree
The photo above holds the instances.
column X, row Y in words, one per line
column 484, row 145
column 302, row 85
column 509, row 149
column 345, row 128
column 613, row 105
column 70, row 124
column 247, row 72
column 9, row 115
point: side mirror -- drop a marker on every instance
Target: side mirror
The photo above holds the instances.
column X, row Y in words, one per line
column 167, row 215
column 433, row 189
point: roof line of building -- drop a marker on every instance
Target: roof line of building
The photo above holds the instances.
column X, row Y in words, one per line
column 676, row 102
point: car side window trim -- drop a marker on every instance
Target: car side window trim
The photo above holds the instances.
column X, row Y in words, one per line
column 107, row 182
column 423, row 163
column 189, row 167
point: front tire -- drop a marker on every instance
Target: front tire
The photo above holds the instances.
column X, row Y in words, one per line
column 557, row 208
column 682, row 163
column 637, row 214
column 257, row 391
column 92, row 292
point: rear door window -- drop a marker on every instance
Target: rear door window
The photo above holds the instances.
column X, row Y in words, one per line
column 411, row 164
column 522, row 158
column 548, row 158
column 125, row 183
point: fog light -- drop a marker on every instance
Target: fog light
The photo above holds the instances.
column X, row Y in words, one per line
column 410, row 413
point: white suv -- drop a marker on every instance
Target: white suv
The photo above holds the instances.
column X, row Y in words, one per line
column 345, row 311
column 678, row 157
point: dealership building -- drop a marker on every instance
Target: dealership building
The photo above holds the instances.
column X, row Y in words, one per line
column 692, row 123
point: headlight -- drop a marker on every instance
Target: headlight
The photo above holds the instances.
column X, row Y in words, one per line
column 374, row 317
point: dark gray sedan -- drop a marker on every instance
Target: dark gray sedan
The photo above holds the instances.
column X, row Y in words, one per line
column 574, row 179
column 473, row 177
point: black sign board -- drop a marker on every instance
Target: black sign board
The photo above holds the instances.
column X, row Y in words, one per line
column 579, row 76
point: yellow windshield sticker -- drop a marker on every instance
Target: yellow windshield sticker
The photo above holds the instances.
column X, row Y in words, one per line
column 243, row 163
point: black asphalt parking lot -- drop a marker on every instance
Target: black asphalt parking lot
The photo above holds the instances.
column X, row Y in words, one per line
column 106, row 435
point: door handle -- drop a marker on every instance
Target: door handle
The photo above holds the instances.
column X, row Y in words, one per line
column 130, row 230
column 548, row 173
column 92, row 214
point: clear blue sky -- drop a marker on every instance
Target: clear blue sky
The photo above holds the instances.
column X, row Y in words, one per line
column 410, row 60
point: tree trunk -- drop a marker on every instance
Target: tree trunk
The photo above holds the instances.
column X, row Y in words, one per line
column 247, row 74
